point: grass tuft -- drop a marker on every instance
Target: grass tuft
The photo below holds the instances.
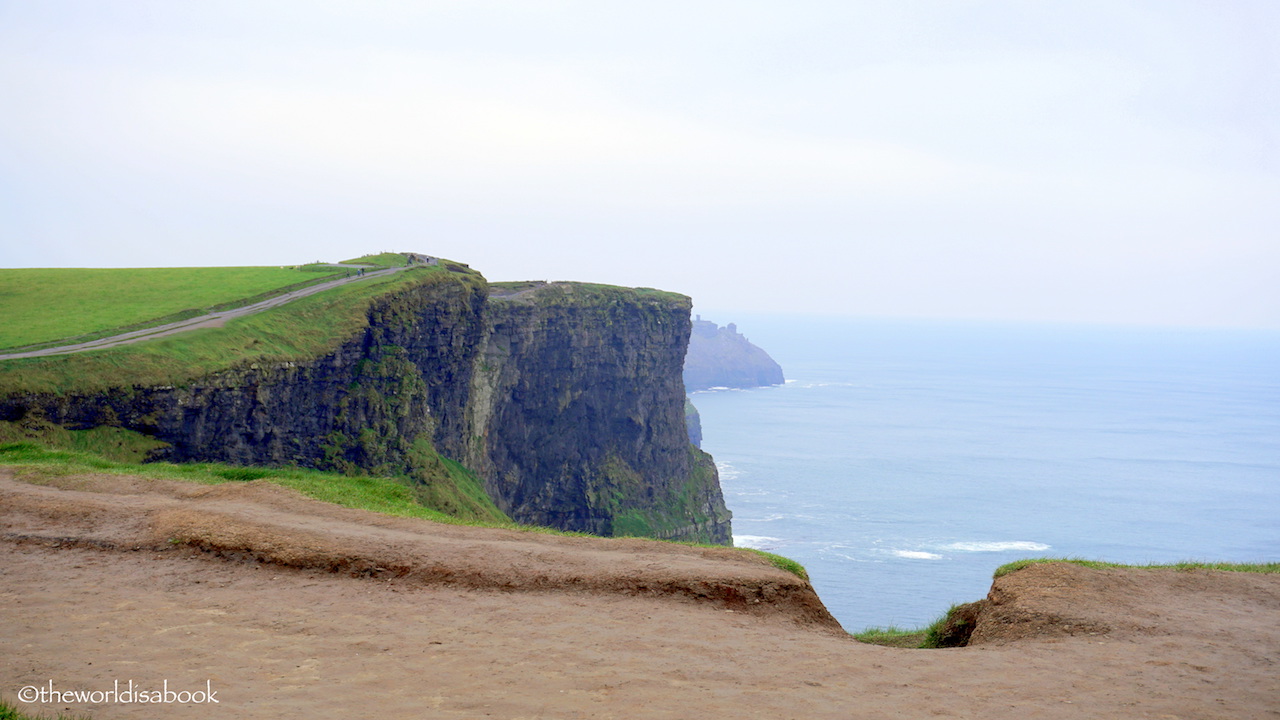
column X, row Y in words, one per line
column 928, row 637
column 783, row 563
column 892, row 636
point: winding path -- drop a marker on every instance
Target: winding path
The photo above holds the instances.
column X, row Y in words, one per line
column 214, row 319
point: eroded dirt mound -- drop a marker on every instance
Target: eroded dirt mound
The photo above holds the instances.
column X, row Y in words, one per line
column 1057, row 600
column 264, row 523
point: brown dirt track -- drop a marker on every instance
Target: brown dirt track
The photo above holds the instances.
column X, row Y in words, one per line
column 293, row 608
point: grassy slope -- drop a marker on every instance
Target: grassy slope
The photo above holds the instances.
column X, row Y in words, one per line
column 32, row 453
column 44, row 305
column 380, row 259
column 36, row 453
column 296, row 331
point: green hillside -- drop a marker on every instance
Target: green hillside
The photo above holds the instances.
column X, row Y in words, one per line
column 41, row 306
column 296, row 331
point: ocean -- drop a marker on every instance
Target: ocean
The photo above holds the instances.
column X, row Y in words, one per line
column 902, row 462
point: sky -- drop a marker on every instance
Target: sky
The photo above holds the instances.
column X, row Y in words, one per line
column 1108, row 161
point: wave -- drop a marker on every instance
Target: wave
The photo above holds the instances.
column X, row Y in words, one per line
column 771, row 517
column 996, row 546
column 915, row 554
column 810, row 384
column 726, row 471
column 756, row 542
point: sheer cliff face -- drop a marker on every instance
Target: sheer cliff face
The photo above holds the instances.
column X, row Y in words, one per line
column 578, row 410
column 565, row 399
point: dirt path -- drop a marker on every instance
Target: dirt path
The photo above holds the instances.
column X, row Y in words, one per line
column 511, row 625
column 214, row 319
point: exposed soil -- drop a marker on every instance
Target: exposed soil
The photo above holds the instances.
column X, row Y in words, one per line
column 292, row 608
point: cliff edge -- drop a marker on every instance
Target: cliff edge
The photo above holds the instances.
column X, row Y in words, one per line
column 578, row 413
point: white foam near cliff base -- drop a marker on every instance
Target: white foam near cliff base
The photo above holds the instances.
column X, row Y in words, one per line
column 1022, row 545
column 916, row 555
column 756, row 542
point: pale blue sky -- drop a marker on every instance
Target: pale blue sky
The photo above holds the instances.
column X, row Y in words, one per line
column 1103, row 161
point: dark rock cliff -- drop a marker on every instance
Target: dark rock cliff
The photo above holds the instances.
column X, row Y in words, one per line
column 565, row 399
column 722, row 357
column 397, row 389
column 578, row 407
column 693, row 422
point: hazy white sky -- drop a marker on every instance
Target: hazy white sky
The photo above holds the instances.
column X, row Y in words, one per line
column 1113, row 161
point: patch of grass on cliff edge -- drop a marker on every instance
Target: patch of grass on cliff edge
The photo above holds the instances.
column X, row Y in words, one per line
column 360, row 492
column 386, row 259
column 1266, row 567
column 294, row 332
column 921, row 638
column 783, row 563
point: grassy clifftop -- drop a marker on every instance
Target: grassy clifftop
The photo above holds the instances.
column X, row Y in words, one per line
column 49, row 305
column 297, row 331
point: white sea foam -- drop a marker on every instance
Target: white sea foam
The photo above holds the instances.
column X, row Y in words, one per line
column 996, row 546
column 727, row 471
column 756, row 542
column 916, row 555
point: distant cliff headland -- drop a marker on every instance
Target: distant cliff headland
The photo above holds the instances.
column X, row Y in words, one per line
column 723, row 357
column 563, row 400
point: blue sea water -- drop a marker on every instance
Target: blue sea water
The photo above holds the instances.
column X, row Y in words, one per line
column 902, row 462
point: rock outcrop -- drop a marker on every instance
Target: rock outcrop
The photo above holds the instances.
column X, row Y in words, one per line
column 578, row 409
column 565, row 399
column 722, row 357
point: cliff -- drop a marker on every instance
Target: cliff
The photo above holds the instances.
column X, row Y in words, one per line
column 722, row 357
column 693, row 422
column 578, row 410
column 566, row 401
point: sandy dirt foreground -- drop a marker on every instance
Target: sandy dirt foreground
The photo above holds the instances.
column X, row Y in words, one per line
column 289, row 608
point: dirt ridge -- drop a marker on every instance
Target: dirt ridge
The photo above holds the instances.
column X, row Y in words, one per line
column 264, row 523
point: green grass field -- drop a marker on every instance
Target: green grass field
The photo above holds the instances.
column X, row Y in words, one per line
column 297, row 331
column 41, row 306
